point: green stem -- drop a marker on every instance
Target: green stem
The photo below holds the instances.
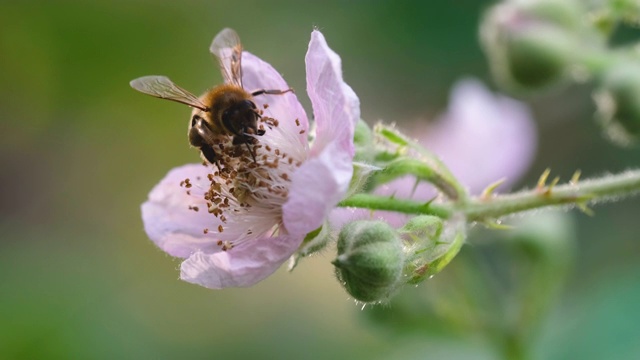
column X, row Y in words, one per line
column 479, row 209
column 376, row 202
column 426, row 166
column 588, row 191
column 421, row 171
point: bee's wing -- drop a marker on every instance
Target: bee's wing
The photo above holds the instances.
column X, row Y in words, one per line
column 162, row 87
column 227, row 48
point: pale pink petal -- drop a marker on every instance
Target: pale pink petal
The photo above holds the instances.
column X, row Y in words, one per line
column 167, row 219
column 322, row 181
column 483, row 137
column 257, row 75
column 316, row 187
column 242, row 266
column 336, row 107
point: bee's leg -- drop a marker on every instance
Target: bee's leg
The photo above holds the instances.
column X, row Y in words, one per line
column 210, row 155
column 270, row 92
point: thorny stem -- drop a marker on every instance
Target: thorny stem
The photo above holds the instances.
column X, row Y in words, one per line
column 426, row 167
column 592, row 191
column 376, row 202
column 421, row 171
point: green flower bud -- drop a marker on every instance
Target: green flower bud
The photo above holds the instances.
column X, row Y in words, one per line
column 370, row 260
column 529, row 46
column 538, row 58
column 618, row 102
column 363, row 136
column 423, row 228
column 363, row 140
column 431, row 245
column 566, row 14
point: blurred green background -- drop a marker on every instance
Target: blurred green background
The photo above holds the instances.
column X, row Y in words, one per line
column 80, row 150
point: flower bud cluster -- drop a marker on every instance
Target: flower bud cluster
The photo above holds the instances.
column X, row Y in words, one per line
column 532, row 44
column 374, row 260
column 618, row 102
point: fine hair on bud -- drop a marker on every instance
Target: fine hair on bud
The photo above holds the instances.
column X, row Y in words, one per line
column 370, row 260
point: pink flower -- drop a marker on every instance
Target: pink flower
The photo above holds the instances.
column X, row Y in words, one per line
column 234, row 233
column 483, row 137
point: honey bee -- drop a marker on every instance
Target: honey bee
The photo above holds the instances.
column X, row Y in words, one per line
column 226, row 110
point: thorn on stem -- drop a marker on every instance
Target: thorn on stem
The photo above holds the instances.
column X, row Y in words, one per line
column 542, row 187
column 542, row 181
column 582, row 206
column 575, row 178
column 495, row 224
column 488, row 191
column 554, row 182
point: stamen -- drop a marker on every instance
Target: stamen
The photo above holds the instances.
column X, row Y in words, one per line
column 243, row 193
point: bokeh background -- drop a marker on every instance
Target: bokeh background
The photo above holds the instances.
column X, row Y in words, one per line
column 79, row 151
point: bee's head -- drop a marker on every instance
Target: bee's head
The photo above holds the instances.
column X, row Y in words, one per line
column 241, row 117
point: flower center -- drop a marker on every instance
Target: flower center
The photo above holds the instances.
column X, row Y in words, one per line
column 248, row 188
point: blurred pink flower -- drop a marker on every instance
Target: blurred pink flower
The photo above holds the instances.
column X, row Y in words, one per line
column 482, row 137
column 291, row 192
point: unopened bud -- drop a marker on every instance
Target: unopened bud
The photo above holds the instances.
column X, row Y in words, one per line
column 618, row 102
column 529, row 44
column 565, row 14
column 431, row 245
column 370, row 260
column 363, row 140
